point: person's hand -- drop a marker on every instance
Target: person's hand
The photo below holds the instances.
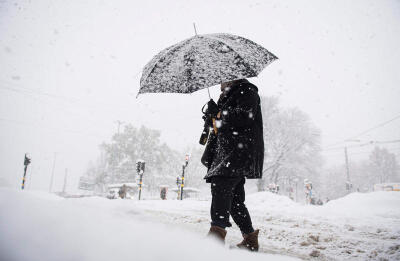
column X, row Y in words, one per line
column 212, row 108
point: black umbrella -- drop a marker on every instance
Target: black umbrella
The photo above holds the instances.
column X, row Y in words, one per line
column 203, row 61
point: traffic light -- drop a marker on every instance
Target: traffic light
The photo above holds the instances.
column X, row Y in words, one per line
column 27, row 161
column 142, row 165
column 138, row 166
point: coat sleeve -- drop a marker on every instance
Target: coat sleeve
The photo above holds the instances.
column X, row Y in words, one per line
column 209, row 151
column 242, row 113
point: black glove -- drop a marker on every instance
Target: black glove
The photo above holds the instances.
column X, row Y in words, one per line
column 212, row 108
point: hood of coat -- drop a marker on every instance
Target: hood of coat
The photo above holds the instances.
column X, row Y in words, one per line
column 237, row 85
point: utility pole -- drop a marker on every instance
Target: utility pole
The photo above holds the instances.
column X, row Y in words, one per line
column 178, row 184
column 30, row 177
column 348, row 184
column 52, row 172
column 182, row 181
column 65, row 181
column 119, row 124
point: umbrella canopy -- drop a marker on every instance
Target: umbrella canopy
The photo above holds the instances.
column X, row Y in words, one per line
column 203, row 61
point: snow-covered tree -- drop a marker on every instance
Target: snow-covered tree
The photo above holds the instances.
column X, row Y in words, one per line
column 384, row 165
column 126, row 148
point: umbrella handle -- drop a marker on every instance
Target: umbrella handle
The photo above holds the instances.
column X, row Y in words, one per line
column 195, row 31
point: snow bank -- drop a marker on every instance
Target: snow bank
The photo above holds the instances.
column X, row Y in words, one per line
column 380, row 204
column 356, row 208
column 270, row 200
column 39, row 226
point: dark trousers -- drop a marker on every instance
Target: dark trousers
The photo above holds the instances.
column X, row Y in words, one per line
column 228, row 199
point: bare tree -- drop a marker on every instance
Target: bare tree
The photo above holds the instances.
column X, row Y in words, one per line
column 292, row 143
column 384, row 165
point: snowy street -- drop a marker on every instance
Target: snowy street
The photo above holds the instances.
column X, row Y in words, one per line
column 41, row 226
column 357, row 227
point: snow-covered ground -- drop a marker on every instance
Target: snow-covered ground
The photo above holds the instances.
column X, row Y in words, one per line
column 356, row 227
column 40, row 226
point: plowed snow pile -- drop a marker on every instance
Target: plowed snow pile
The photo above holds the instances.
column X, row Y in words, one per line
column 364, row 208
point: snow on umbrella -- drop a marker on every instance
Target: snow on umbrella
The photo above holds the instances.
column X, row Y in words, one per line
column 203, row 61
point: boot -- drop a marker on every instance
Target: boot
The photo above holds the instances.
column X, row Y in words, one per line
column 250, row 241
column 218, row 233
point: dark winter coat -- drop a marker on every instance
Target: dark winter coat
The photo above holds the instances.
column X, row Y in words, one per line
column 237, row 150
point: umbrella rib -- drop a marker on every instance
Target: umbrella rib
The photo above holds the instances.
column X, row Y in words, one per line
column 273, row 56
column 179, row 45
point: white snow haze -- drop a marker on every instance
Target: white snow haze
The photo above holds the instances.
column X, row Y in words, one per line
column 70, row 70
column 69, row 80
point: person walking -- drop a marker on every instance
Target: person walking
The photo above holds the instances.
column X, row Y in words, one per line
column 234, row 152
column 122, row 191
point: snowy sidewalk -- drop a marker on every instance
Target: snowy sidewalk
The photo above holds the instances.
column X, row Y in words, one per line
column 39, row 226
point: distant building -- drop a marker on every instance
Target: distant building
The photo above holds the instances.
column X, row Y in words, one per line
column 387, row 187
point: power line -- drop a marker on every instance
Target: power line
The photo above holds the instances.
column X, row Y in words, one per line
column 57, row 106
column 340, row 154
column 20, row 89
column 376, row 127
column 372, row 142
column 366, row 131
column 33, row 93
column 32, row 124
column 16, row 87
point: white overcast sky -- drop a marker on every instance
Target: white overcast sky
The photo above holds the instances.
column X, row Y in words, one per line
column 71, row 69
